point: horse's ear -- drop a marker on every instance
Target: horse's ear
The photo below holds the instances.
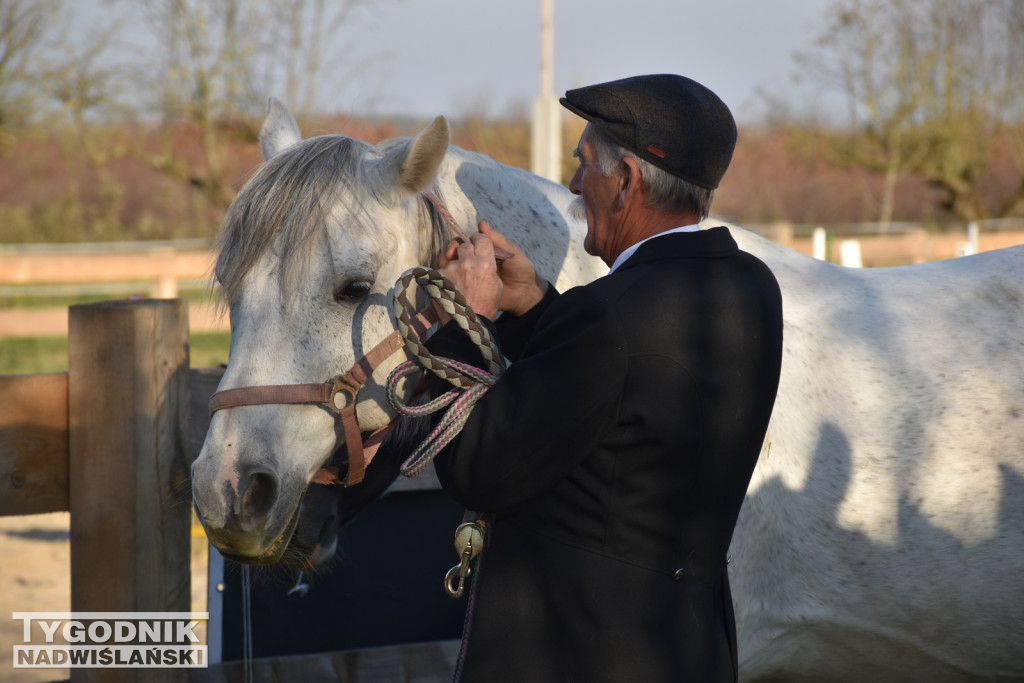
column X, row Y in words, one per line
column 279, row 131
column 412, row 166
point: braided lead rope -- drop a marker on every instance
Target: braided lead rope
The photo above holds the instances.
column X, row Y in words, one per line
column 469, row 383
column 440, row 289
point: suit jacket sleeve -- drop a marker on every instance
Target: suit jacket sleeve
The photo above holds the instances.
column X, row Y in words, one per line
column 515, row 330
column 530, row 430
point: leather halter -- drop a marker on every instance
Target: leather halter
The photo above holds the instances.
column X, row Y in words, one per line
column 339, row 393
column 500, row 255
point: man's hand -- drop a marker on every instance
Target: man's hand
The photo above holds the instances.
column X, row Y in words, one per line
column 471, row 268
column 522, row 288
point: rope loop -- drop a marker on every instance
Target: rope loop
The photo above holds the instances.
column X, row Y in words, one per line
column 469, row 383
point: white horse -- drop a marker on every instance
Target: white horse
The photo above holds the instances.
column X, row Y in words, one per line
column 883, row 534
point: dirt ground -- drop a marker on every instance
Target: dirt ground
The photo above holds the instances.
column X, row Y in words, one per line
column 35, row 576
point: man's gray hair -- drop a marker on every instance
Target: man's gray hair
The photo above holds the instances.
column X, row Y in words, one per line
column 664, row 191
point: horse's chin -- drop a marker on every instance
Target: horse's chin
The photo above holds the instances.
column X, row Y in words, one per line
column 294, row 554
column 276, row 551
column 274, row 554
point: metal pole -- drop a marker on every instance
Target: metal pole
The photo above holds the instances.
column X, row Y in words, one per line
column 546, row 132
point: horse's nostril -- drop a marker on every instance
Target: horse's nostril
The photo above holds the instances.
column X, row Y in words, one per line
column 257, row 498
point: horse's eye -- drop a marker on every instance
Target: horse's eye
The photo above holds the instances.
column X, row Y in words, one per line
column 353, row 290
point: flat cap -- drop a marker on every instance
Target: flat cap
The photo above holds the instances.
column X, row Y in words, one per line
column 673, row 122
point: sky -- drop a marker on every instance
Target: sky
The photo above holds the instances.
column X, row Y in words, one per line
column 444, row 56
column 456, row 57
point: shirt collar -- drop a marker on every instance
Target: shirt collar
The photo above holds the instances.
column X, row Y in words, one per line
column 630, row 250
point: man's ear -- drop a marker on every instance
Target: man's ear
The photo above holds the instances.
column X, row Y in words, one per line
column 630, row 181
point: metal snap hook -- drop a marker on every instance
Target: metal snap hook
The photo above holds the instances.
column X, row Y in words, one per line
column 455, row 579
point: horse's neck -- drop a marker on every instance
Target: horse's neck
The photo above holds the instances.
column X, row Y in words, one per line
column 475, row 188
column 529, row 210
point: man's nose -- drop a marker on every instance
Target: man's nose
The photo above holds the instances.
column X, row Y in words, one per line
column 576, row 184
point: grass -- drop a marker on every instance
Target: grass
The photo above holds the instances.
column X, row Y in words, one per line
column 11, row 296
column 50, row 354
column 33, row 355
column 209, row 349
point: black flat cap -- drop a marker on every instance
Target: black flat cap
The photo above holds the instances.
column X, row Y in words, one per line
column 671, row 121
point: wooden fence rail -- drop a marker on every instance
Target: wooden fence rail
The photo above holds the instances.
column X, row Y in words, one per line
column 159, row 270
column 163, row 268
column 913, row 245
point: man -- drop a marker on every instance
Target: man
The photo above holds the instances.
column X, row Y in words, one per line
column 616, row 450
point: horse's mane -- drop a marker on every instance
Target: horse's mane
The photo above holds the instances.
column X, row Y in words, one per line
column 292, row 195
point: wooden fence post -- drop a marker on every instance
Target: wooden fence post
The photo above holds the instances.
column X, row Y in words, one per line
column 128, row 440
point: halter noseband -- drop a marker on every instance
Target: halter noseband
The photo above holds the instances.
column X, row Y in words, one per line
column 339, row 394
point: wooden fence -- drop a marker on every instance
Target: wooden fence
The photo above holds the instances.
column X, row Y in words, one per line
column 112, row 441
column 155, row 270
column 163, row 266
column 906, row 245
column 108, row 441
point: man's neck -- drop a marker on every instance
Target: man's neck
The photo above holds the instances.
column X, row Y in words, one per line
column 645, row 223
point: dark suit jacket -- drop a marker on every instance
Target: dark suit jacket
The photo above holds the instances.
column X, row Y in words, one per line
column 615, row 453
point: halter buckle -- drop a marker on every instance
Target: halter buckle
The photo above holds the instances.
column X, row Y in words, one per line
column 344, row 392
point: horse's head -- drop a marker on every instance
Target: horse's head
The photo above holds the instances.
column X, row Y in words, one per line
column 309, row 252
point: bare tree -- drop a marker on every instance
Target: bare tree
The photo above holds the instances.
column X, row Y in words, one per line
column 23, row 31
column 215, row 61
column 932, row 86
column 307, row 37
column 198, row 75
column 201, row 69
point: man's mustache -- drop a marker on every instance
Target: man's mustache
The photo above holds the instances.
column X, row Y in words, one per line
column 577, row 210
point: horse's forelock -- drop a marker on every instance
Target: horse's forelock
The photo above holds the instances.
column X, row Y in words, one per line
column 291, row 195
